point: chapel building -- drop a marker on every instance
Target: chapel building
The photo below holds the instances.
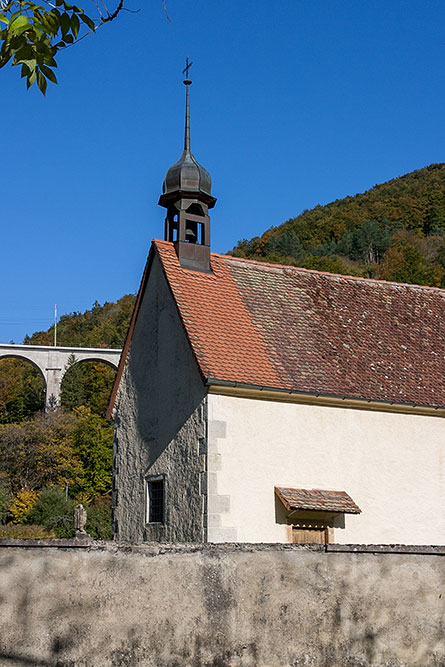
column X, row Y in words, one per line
column 267, row 403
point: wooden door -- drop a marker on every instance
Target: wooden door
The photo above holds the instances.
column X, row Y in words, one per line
column 314, row 535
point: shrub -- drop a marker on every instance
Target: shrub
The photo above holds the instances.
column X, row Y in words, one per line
column 54, row 512
column 5, row 500
column 98, row 523
column 22, row 505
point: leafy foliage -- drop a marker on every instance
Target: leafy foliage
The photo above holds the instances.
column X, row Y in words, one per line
column 5, row 498
column 88, row 384
column 31, row 35
column 52, row 461
column 39, row 452
column 92, row 442
column 395, row 231
column 102, row 326
column 22, row 390
column 22, row 504
column 54, row 511
column 67, row 451
column 71, row 450
column 98, row 523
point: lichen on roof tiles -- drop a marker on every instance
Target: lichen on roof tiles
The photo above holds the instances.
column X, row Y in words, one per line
column 301, row 330
column 317, row 500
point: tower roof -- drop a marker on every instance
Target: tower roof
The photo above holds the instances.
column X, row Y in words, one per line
column 187, row 177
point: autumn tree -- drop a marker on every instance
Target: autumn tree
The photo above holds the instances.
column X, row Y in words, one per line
column 87, row 384
column 72, row 388
column 39, row 452
column 71, row 452
column 22, row 390
column 92, row 440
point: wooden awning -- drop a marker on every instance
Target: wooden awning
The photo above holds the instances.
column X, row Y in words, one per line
column 317, row 500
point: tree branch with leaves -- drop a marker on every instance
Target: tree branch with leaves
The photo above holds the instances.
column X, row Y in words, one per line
column 32, row 35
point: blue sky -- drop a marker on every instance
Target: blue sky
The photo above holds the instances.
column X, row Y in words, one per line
column 293, row 103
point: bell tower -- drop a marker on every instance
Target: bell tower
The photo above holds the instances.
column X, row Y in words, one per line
column 187, row 198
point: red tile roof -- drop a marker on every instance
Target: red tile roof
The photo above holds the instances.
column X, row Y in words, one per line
column 301, row 330
column 317, row 499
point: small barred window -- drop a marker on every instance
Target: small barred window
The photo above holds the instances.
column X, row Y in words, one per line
column 155, row 501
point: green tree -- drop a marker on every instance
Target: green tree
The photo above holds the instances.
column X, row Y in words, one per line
column 22, row 390
column 39, row 452
column 93, row 446
column 72, row 389
column 288, row 245
column 368, row 242
column 441, row 255
column 68, row 453
column 98, row 523
column 404, row 261
column 87, row 384
column 54, row 511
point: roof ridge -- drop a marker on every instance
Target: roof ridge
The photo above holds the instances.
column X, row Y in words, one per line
column 301, row 269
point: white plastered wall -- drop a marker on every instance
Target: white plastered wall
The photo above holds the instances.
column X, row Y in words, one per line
column 391, row 464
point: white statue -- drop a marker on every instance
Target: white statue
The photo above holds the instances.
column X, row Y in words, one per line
column 80, row 519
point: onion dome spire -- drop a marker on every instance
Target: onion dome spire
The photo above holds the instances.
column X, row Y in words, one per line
column 186, row 194
column 187, row 175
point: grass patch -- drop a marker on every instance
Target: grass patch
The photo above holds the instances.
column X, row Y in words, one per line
column 23, row 532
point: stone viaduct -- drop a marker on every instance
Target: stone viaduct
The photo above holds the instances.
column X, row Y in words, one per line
column 52, row 363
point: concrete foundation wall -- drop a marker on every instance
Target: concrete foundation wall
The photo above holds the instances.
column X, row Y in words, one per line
column 220, row 606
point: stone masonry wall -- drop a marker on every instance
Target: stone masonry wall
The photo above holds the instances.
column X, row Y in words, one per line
column 220, row 605
column 160, row 426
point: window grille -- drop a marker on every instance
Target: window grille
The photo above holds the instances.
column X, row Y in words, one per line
column 156, row 501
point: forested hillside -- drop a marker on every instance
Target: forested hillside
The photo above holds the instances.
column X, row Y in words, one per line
column 102, row 326
column 395, row 231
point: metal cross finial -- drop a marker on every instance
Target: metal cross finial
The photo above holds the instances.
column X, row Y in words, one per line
column 186, row 68
column 187, row 83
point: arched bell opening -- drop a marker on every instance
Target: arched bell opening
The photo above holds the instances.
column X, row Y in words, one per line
column 196, row 209
column 172, row 226
column 195, row 232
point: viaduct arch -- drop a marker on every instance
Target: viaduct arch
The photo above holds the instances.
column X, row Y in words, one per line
column 52, row 362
